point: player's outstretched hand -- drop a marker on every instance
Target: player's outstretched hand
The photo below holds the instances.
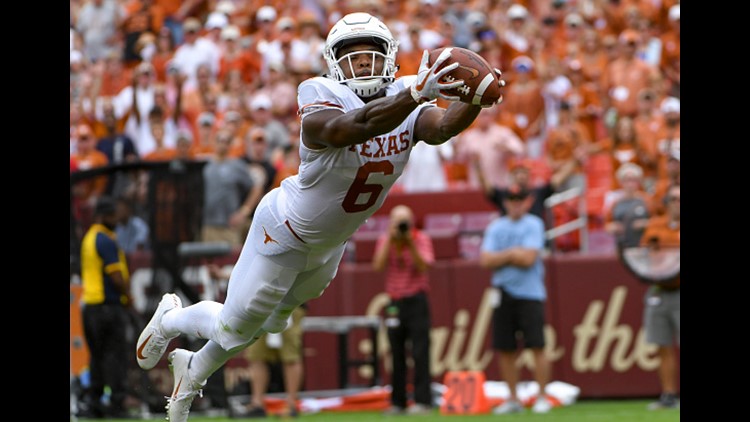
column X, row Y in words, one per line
column 501, row 82
column 427, row 86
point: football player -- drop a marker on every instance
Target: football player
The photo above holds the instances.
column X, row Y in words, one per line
column 359, row 125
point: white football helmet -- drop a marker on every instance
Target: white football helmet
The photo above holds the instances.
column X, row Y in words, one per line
column 357, row 27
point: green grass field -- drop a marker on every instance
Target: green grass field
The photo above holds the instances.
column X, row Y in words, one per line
column 583, row 411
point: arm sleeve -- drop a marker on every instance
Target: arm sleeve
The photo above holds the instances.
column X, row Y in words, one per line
column 313, row 96
column 107, row 249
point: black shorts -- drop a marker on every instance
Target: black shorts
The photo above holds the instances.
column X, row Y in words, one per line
column 517, row 323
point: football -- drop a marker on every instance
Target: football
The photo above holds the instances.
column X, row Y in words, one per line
column 481, row 85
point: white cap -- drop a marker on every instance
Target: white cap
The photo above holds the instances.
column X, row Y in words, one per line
column 266, row 13
column 261, row 101
column 670, row 105
column 432, row 2
column 230, row 32
column 285, row 23
column 225, row 6
column 629, row 170
column 216, row 20
column 573, row 19
column 517, row 11
column 674, row 13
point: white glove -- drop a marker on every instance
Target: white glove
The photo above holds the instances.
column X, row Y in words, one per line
column 500, row 82
column 427, row 86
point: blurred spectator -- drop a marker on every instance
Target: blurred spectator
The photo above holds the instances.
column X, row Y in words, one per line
column 119, row 149
column 106, row 294
column 626, row 76
column 88, row 157
column 160, row 152
column 264, row 33
column 670, row 51
column 523, row 99
column 424, row 171
column 277, row 134
column 284, row 348
column 668, row 137
column 406, row 253
column 184, row 150
column 204, row 146
column 624, row 147
column 512, row 249
column 647, row 124
column 520, row 175
column 583, row 96
column 661, row 317
column 493, row 145
column 261, row 169
column 628, row 215
column 114, row 78
column 202, row 96
column 286, row 48
column 116, row 145
column 310, row 33
column 662, row 185
column 132, row 231
column 230, row 195
column 162, row 57
column 567, row 148
column 592, row 57
column 236, row 127
column 174, row 12
column 97, row 22
column 518, row 38
column 141, row 16
column 464, row 21
column 409, row 58
column 279, row 86
column 236, row 58
column 194, row 52
column 138, row 99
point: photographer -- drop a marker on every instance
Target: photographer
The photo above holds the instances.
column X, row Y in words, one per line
column 405, row 253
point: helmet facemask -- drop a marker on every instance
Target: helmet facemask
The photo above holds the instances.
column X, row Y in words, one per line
column 366, row 81
column 362, row 28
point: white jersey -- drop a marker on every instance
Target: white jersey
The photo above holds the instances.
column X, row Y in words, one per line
column 337, row 189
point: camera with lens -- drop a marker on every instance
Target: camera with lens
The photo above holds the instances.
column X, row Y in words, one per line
column 403, row 227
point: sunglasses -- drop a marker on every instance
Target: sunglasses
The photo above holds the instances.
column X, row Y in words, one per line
column 515, row 198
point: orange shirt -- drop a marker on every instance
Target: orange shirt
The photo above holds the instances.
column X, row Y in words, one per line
column 246, row 62
column 659, row 227
column 623, row 80
column 161, row 154
column 562, row 141
column 526, row 103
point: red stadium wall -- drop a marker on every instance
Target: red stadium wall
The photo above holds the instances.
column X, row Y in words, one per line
column 594, row 317
column 594, row 334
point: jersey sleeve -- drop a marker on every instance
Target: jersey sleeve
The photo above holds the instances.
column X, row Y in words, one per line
column 107, row 249
column 313, row 95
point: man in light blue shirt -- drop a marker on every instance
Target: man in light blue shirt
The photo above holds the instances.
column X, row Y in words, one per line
column 512, row 248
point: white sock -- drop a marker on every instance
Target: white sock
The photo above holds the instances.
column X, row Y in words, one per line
column 207, row 360
column 197, row 320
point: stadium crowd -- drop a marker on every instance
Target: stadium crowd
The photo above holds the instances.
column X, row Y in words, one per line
column 592, row 85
